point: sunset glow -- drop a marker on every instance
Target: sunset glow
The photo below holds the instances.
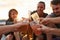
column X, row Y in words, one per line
column 22, row 6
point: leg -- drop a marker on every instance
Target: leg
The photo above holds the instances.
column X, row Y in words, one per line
column 9, row 37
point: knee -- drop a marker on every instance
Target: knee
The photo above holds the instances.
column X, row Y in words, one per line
column 9, row 37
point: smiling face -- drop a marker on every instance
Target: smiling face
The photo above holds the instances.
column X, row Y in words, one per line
column 40, row 7
column 56, row 9
column 55, row 4
column 13, row 14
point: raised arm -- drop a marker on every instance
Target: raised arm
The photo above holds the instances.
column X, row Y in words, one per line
column 13, row 28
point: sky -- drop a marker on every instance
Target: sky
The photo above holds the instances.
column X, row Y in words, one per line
column 24, row 7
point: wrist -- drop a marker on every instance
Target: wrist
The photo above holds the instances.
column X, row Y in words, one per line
column 16, row 27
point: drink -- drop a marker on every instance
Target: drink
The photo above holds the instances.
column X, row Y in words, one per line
column 34, row 27
column 35, row 17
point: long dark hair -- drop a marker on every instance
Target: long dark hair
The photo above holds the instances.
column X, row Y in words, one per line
column 10, row 14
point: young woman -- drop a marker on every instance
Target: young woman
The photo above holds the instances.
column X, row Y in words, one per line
column 11, row 20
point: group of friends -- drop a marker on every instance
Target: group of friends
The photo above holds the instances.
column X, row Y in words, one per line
column 47, row 29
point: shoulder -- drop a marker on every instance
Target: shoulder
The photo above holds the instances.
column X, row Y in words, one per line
column 8, row 22
column 45, row 14
column 52, row 15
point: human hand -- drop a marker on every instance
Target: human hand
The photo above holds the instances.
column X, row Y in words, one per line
column 44, row 29
column 21, row 26
column 34, row 27
column 26, row 19
column 45, row 21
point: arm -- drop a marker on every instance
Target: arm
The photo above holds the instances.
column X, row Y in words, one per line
column 7, row 28
column 49, row 30
column 54, row 20
column 55, row 31
column 13, row 28
column 17, row 35
column 47, row 21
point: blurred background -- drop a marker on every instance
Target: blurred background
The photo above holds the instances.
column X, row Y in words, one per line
column 22, row 6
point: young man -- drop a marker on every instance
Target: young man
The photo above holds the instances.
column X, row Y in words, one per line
column 54, row 17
